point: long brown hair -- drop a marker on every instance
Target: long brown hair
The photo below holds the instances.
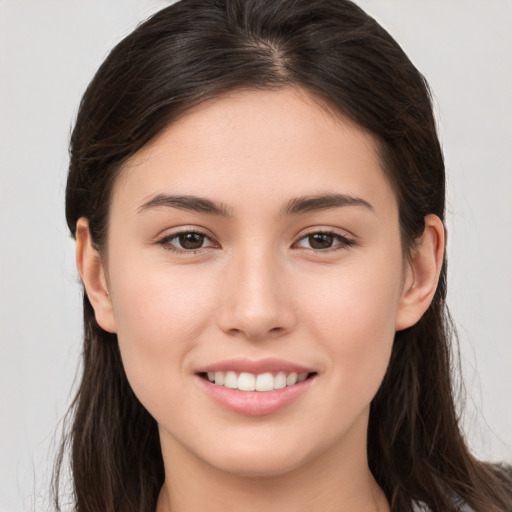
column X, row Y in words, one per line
column 196, row 50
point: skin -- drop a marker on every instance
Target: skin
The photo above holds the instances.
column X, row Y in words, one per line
column 258, row 288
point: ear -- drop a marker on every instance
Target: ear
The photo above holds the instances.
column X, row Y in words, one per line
column 422, row 274
column 92, row 271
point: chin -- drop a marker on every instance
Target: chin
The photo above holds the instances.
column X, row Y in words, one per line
column 260, row 459
column 259, row 466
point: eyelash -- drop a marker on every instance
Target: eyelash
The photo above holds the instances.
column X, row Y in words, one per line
column 166, row 241
column 343, row 242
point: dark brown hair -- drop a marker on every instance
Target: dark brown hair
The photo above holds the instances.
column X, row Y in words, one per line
column 196, row 50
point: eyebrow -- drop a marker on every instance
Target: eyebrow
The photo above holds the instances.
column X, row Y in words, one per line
column 298, row 205
column 191, row 203
column 306, row 204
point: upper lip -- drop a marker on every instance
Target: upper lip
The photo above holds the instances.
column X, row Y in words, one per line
column 255, row 366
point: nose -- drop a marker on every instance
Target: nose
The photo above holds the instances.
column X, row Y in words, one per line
column 256, row 302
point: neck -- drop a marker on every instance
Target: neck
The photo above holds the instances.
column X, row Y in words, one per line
column 273, row 495
column 338, row 480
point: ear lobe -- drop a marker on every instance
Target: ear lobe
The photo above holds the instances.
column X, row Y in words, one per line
column 92, row 272
column 422, row 274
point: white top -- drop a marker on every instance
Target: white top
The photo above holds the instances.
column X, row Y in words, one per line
column 419, row 506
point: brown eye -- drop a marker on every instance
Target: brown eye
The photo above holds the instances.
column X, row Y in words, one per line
column 187, row 241
column 191, row 241
column 323, row 241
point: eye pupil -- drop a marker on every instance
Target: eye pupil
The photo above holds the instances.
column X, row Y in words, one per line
column 321, row 240
column 191, row 240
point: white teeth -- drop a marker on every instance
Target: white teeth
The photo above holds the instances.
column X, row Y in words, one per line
column 265, row 382
column 231, row 380
column 291, row 379
column 280, row 380
column 246, row 381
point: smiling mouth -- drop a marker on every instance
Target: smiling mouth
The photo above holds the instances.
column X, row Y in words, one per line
column 245, row 381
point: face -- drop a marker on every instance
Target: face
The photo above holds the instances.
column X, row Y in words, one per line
column 255, row 244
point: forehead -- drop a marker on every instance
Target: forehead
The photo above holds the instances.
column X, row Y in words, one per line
column 252, row 144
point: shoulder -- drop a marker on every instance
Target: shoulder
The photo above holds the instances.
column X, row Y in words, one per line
column 419, row 506
column 497, row 474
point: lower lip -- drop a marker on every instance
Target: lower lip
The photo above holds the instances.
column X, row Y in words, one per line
column 256, row 403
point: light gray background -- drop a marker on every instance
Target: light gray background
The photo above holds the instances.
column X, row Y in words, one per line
column 49, row 50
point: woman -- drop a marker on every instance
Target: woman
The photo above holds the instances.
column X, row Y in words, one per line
column 257, row 193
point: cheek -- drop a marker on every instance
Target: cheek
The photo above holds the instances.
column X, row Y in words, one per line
column 360, row 298
column 353, row 317
column 154, row 306
column 159, row 314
